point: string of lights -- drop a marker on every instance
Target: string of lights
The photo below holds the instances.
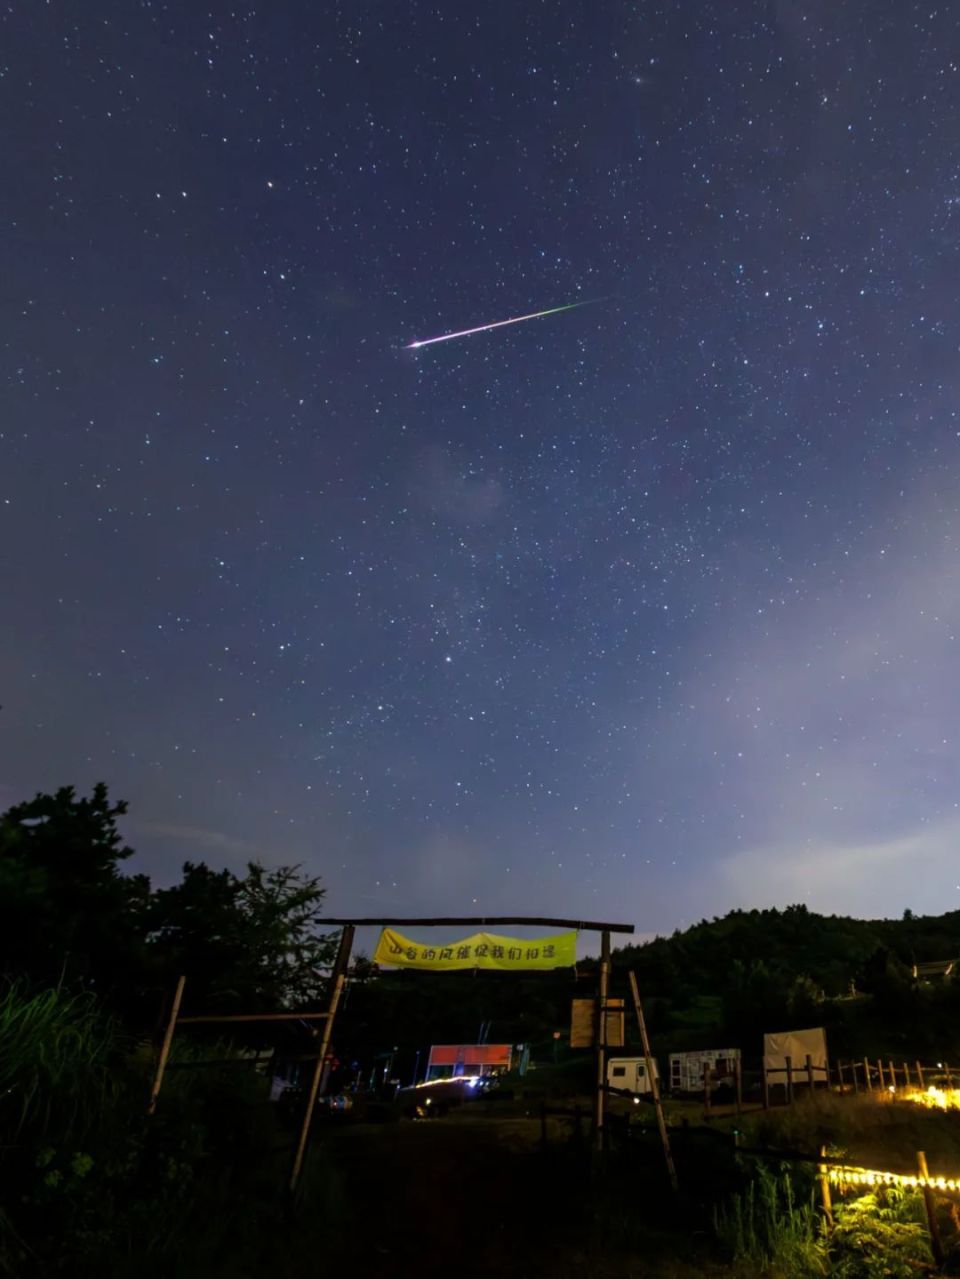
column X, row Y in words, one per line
column 844, row 1176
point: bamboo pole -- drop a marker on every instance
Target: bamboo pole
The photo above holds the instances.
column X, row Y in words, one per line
column 920, row 1074
column 906, row 1075
column 195, row 1021
column 840, row 1079
column 165, row 1045
column 880, row 1073
column 600, row 1097
column 481, row 921
column 655, row 1083
column 949, row 1076
column 825, row 1190
column 338, row 979
column 930, row 1204
column 866, row 1075
column 893, row 1076
column 853, row 1072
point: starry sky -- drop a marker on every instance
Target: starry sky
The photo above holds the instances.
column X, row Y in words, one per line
column 641, row 611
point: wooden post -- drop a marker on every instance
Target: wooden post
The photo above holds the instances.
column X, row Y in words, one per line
column 853, row 1072
column 166, row 1044
column 789, row 1061
column 949, row 1076
column 654, row 1083
column 930, row 1204
column 338, row 978
column 919, row 1074
column 810, row 1072
column 600, row 1099
column 880, row 1073
column 893, row 1076
column 825, row 1190
column 738, row 1080
column 866, row 1075
column 840, row 1079
column 906, row 1075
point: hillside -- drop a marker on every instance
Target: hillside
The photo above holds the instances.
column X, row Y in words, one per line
column 831, row 950
column 721, row 982
column 757, row 970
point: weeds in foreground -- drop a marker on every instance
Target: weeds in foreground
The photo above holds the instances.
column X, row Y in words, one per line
column 769, row 1227
column 773, row 1228
column 54, row 1062
column 88, row 1185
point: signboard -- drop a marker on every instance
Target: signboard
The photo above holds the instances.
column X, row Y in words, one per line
column 452, row 1060
column 583, row 1023
column 614, row 1023
column 482, row 950
column 795, row 1044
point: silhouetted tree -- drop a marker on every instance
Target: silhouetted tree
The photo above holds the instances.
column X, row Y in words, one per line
column 253, row 943
column 67, row 913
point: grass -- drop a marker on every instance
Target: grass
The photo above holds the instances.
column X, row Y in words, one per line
column 55, row 1051
column 870, row 1131
column 91, row 1186
column 773, row 1226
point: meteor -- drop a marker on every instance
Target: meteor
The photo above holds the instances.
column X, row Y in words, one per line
column 499, row 324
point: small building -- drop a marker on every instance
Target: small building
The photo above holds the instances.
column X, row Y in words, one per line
column 451, row 1061
column 630, row 1074
column 687, row 1069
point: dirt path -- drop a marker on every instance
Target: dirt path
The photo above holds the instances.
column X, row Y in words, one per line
column 445, row 1197
column 458, row 1198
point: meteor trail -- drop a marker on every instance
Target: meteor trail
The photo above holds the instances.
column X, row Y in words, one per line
column 482, row 328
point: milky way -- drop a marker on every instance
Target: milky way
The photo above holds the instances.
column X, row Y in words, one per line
column 645, row 614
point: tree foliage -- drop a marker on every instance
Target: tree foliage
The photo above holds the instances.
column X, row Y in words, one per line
column 71, row 915
column 67, row 912
column 250, row 943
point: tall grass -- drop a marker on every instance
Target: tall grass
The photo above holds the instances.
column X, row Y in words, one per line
column 55, row 1051
column 88, row 1184
column 767, row 1227
column 772, row 1228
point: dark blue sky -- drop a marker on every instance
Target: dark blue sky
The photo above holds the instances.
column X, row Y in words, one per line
column 644, row 610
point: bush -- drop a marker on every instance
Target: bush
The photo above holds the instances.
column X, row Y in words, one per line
column 89, row 1184
column 773, row 1228
column 879, row 1236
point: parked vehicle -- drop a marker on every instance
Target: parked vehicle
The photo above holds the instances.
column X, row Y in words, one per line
column 629, row 1074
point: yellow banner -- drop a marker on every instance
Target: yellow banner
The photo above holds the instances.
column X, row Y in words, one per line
column 482, row 950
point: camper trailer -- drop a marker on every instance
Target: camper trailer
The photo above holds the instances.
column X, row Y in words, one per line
column 688, row 1070
column 630, row 1074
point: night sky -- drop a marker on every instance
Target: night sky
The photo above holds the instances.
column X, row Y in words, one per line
column 641, row 611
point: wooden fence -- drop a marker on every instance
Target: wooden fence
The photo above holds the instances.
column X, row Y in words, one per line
column 877, row 1075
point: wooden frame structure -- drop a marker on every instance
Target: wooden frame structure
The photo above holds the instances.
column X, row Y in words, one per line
column 534, row 921
column 338, row 981
column 338, row 978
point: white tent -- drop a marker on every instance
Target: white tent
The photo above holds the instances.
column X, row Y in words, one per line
column 795, row 1044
